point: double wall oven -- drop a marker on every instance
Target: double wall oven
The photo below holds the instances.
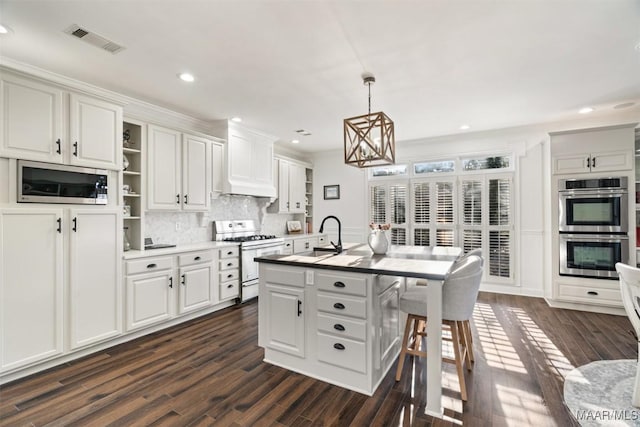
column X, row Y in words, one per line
column 252, row 245
column 593, row 226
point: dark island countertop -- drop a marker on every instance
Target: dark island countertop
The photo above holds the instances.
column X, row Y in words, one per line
column 424, row 262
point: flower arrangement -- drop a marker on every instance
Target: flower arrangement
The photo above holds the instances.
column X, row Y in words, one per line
column 379, row 226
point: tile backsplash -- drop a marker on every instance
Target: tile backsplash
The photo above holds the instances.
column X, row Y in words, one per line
column 191, row 227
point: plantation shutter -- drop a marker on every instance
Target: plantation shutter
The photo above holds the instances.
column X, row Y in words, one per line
column 421, row 213
column 445, row 235
column 500, row 227
column 378, row 204
column 471, row 195
column 398, row 210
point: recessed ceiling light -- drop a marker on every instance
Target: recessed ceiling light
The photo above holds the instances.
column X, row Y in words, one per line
column 4, row 29
column 465, row 127
column 294, row 141
column 186, row 77
column 236, row 119
column 625, row 105
column 585, row 110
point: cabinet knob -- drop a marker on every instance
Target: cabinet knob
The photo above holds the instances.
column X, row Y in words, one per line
column 339, row 306
column 338, row 327
column 338, row 346
column 339, row 285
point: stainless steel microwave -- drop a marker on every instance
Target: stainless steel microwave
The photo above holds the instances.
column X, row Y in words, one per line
column 52, row 183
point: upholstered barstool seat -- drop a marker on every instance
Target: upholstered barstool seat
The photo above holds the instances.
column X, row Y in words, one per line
column 459, row 294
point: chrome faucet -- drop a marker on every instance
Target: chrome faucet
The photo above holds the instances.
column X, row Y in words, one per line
column 337, row 247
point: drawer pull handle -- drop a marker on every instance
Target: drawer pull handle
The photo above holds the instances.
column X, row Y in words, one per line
column 339, row 285
column 229, row 264
column 171, row 282
column 338, row 346
column 230, row 286
column 229, row 276
column 592, row 293
column 184, row 280
column 230, row 253
column 152, row 265
column 197, row 258
column 339, row 306
column 338, row 327
column 299, row 308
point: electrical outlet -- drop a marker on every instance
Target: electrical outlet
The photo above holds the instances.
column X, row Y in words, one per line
column 308, row 277
column 178, row 226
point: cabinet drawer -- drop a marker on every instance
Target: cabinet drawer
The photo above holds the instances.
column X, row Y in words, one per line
column 288, row 247
column 229, row 289
column 228, row 264
column 195, row 258
column 342, row 284
column 343, row 305
column 322, row 240
column 228, row 275
column 586, row 294
column 148, row 265
column 285, row 276
column 304, row 245
column 230, row 252
column 342, row 327
column 342, row 352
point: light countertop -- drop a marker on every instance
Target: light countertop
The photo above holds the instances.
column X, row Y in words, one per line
column 425, row 262
column 133, row 254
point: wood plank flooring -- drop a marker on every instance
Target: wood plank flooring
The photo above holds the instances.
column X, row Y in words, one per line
column 210, row 372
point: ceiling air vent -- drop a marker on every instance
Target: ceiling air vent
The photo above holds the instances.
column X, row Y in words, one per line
column 93, row 38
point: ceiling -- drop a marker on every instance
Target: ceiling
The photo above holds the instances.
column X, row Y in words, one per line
column 284, row 65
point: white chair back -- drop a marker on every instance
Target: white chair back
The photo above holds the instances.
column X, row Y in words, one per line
column 630, row 289
column 460, row 288
column 476, row 252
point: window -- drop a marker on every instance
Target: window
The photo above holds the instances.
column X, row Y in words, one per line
column 433, row 212
column 480, row 163
column 434, row 167
column 388, row 204
column 390, row 170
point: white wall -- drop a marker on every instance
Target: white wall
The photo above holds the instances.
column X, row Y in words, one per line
column 531, row 148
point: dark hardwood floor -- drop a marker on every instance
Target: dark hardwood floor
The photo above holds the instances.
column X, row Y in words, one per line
column 210, row 372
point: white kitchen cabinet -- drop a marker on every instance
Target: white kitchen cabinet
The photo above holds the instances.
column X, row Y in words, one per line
column 34, row 126
column 248, row 161
column 95, row 130
column 305, row 244
column 285, row 328
column 150, row 298
column 179, row 170
column 197, row 281
column 31, row 286
column 229, row 273
column 593, row 162
column 291, row 187
column 217, row 168
column 95, row 244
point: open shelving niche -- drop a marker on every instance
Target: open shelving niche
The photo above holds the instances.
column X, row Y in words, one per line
column 133, row 177
column 308, row 197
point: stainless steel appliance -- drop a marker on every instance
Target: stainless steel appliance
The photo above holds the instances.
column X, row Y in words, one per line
column 52, row 183
column 251, row 245
column 594, row 205
column 593, row 255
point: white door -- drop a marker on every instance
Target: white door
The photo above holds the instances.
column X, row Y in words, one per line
column 285, row 329
column 163, row 171
column 217, row 167
column 149, row 298
column 95, row 254
column 196, row 173
column 196, row 287
column 31, row 286
column 31, row 124
column 95, row 132
column 283, row 186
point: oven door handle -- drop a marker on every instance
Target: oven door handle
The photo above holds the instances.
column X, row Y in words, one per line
column 595, row 237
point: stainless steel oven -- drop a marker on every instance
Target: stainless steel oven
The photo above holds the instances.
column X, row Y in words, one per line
column 592, row 255
column 595, row 205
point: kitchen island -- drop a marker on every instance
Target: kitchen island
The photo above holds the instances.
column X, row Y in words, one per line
column 335, row 317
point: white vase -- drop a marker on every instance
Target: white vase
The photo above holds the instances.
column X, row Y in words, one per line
column 378, row 242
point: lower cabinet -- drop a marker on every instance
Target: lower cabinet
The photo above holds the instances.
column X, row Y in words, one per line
column 197, row 283
column 150, row 296
column 337, row 326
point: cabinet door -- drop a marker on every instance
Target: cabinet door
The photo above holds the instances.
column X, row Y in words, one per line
column 95, row 254
column 196, row 288
column 163, row 179
column 285, row 330
column 611, row 161
column 95, row 133
column 240, row 148
column 196, row 173
column 283, row 186
column 31, row 287
column 261, row 164
column 297, row 176
column 31, row 124
column 217, row 167
column 149, row 298
column 571, row 163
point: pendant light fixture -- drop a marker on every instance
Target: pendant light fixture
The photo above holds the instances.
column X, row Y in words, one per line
column 369, row 140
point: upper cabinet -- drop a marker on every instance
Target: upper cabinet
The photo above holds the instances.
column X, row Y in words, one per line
column 606, row 149
column 33, row 125
column 217, row 168
column 179, row 170
column 291, row 187
column 248, row 161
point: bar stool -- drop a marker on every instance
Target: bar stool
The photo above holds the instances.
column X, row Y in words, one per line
column 630, row 289
column 459, row 294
